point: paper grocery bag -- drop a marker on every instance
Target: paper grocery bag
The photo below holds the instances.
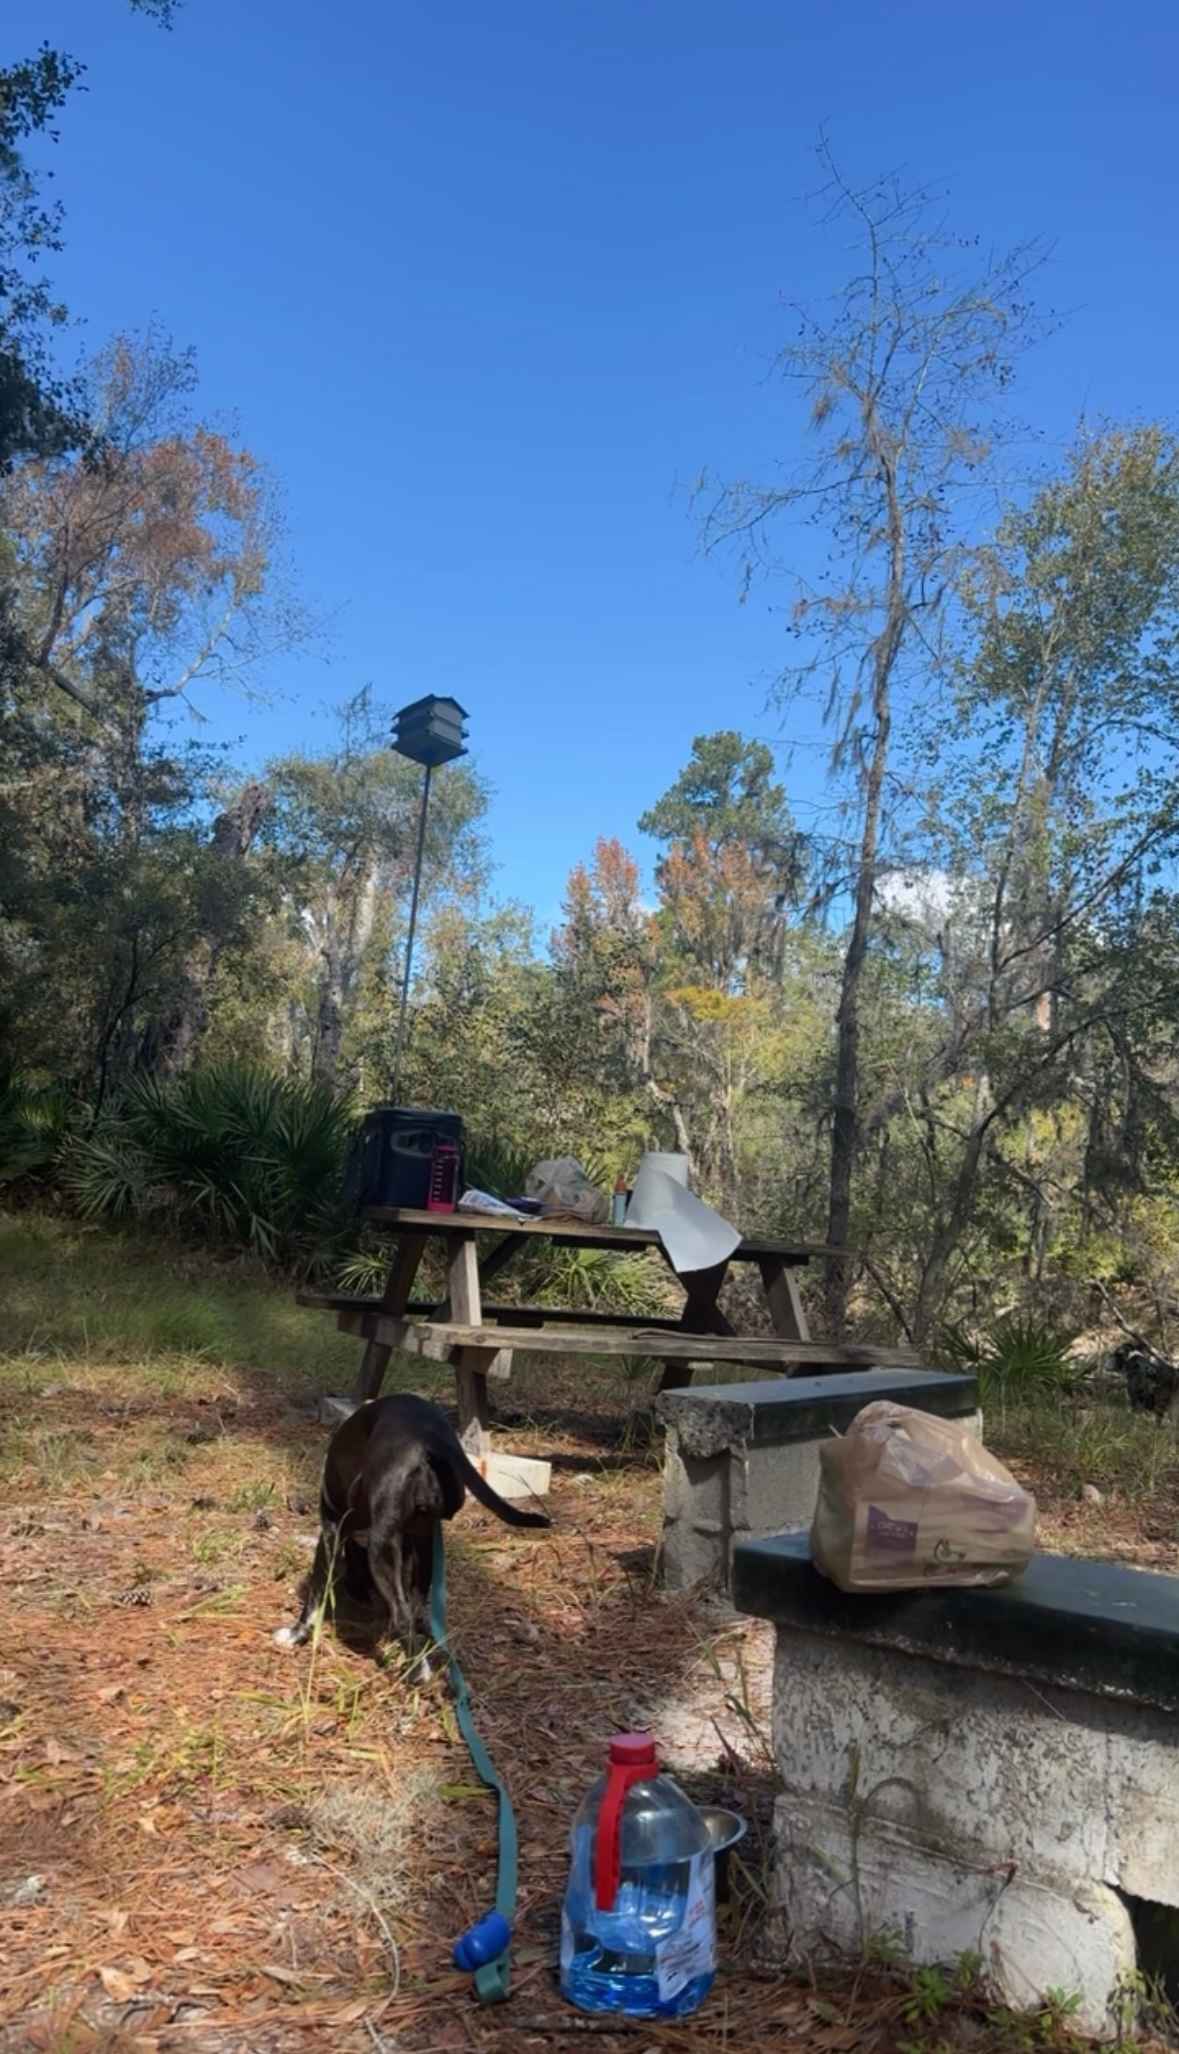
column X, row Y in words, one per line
column 908, row 1501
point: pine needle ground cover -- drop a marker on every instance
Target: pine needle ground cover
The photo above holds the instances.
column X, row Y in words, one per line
column 211, row 1844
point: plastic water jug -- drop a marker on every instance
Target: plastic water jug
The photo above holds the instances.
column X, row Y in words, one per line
column 638, row 1929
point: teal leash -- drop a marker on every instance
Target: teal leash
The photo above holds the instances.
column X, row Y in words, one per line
column 485, row 1948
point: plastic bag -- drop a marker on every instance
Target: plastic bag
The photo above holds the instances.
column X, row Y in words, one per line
column 907, row 1501
column 562, row 1186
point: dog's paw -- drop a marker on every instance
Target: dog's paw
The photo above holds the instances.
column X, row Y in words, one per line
column 287, row 1636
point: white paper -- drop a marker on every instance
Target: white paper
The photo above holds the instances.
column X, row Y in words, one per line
column 694, row 1236
column 673, row 1166
column 482, row 1201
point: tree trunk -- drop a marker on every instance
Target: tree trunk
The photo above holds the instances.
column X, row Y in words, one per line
column 844, row 1129
column 170, row 1045
column 347, row 930
column 845, row 1124
column 329, row 1020
column 932, row 1290
column 659, row 1093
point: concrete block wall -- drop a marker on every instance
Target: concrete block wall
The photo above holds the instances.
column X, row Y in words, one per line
column 1005, row 1772
column 842, row 1882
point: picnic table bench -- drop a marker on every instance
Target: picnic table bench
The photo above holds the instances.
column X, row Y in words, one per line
column 480, row 1339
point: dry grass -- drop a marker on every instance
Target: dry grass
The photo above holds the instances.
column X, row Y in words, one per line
column 213, row 1845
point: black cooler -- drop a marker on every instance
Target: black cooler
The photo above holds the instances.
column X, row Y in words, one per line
column 395, row 1152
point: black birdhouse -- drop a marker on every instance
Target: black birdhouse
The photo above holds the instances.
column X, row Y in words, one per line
column 431, row 731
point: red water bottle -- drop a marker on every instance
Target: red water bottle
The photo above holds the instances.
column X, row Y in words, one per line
column 444, row 1169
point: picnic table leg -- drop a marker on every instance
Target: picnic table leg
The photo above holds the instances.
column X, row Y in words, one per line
column 474, row 1417
column 701, row 1315
column 375, row 1360
column 490, row 1267
column 499, row 1364
column 780, row 1285
column 676, row 1376
column 472, row 1366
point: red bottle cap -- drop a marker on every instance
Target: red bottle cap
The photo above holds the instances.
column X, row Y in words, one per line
column 633, row 1750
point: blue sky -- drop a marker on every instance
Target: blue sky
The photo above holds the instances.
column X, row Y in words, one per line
column 489, row 286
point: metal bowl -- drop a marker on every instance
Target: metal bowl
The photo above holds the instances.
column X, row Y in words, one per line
column 724, row 1828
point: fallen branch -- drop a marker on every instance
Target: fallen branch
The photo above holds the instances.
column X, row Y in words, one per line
column 1126, row 1328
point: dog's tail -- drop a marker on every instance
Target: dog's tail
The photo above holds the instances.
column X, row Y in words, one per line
column 481, row 1489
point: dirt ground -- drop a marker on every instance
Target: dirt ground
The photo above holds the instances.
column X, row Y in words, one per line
column 213, row 1845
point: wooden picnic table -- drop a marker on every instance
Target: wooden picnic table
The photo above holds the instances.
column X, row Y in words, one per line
column 480, row 1339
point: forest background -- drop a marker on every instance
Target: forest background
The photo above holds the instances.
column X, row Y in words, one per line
column 937, row 1025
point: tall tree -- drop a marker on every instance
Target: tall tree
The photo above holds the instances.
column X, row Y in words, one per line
column 143, row 569
column 1058, row 816
column 226, row 886
column 607, row 956
column 901, row 378
column 490, row 1037
column 733, row 863
column 136, row 572
column 36, row 414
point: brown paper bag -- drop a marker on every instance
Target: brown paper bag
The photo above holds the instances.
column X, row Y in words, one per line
column 908, row 1501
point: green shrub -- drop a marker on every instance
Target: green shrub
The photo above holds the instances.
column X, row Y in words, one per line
column 33, row 1121
column 240, row 1154
column 495, row 1164
column 1022, row 1356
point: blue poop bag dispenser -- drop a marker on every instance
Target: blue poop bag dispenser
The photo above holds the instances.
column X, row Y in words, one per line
column 485, row 1941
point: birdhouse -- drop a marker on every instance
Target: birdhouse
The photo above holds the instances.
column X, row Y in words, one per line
column 431, row 731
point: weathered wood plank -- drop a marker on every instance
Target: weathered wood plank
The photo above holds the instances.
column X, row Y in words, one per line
column 436, row 1339
column 474, row 1364
column 363, row 1325
column 462, row 1277
column 510, row 1315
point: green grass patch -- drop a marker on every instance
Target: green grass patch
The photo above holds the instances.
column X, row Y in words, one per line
column 1070, row 1440
column 72, row 1292
column 124, row 1314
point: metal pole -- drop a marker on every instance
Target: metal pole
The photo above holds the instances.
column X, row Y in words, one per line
column 413, row 921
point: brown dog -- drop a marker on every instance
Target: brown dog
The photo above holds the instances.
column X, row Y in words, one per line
column 393, row 1469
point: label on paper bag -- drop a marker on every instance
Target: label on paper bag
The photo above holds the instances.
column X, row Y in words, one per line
column 886, row 1536
column 691, row 1951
